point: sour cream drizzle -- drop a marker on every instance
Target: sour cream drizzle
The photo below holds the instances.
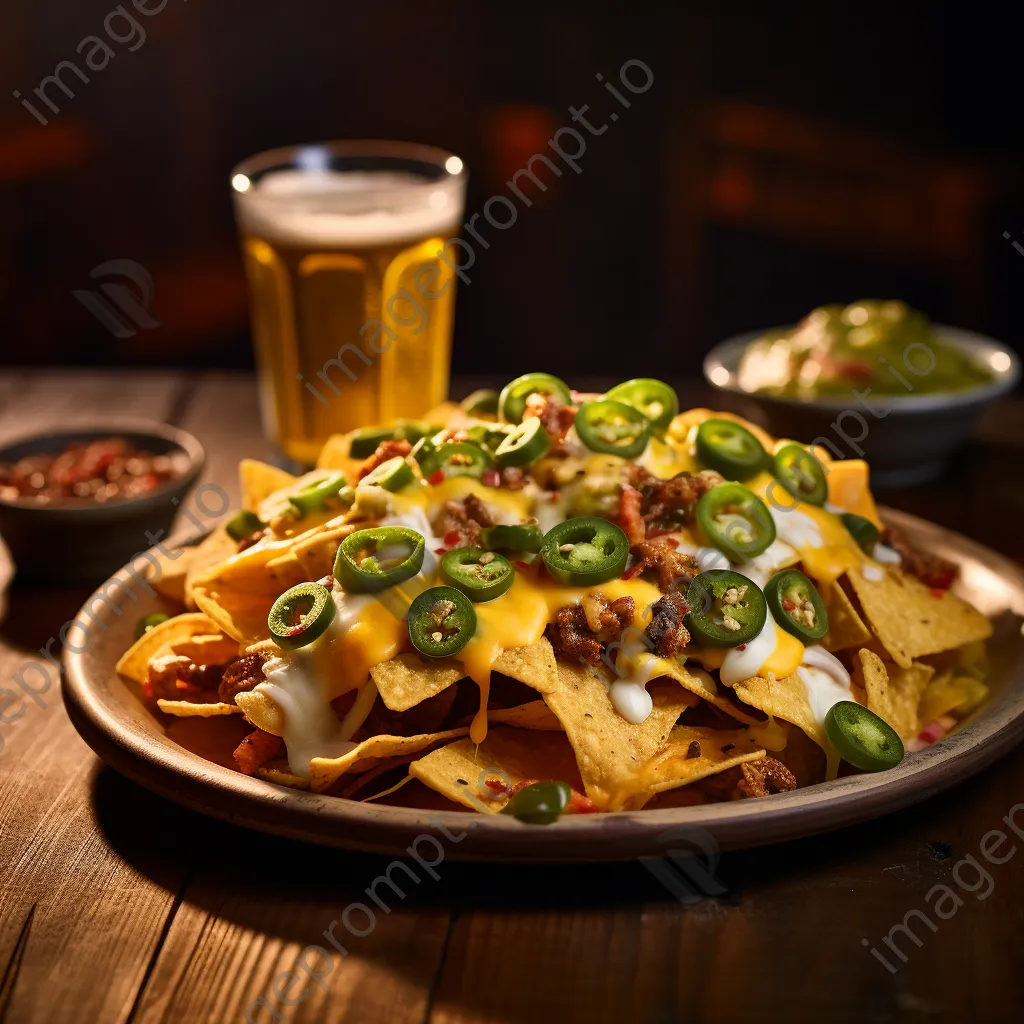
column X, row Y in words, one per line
column 743, row 662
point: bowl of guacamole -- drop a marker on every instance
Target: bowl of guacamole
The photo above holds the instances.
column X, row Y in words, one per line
column 875, row 379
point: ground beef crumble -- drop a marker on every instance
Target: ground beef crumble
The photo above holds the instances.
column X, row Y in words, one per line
column 385, row 450
column 176, row 677
column 582, row 630
column 666, row 630
column 932, row 570
column 462, row 522
column 240, row 677
column 673, row 569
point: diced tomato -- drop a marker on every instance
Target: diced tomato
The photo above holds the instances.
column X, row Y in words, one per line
column 522, row 566
column 437, row 477
column 937, row 592
column 256, row 750
column 491, row 478
column 452, row 538
column 788, row 605
column 496, row 786
column 440, row 551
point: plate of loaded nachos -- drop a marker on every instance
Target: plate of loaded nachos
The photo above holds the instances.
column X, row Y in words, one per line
column 558, row 623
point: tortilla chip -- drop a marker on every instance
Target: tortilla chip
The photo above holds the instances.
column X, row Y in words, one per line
column 894, row 693
column 316, row 553
column 278, row 772
column 698, row 682
column 786, row 699
column 535, row 715
column 334, row 455
column 259, row 480
column 160, row 640
column 534, row 665
column 610, row 751
column 407, row 679
column 208, row 649
column 912, row 621
column 325, row 771
column 186, row 709
column 211, row 551
column 259, row 709
column 680, row 763
column 240, row 615
column 845, row 627
column 461, row 770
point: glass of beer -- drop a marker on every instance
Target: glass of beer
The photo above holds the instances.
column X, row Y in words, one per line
column 351, row 266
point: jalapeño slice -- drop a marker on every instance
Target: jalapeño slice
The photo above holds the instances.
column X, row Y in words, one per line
column 801, row 474
column 584, row 551
column 796, row 605
column 300, row 615
column 862, row 530
column 540, row 803
column 512, row 400
column 423, row 449
column 441, row 622
column 862, row 738
column 730, row 448
column 527, row 537
column 736, row 521
column 527, row 443
column 480, row 575
column 481, row 403
column 392, row 475
column 244, row 524
column 654, row 398
column 378, row 558
column 612, row 428
column 147, row 622
column 726, row 609
column 457, row 458
column 364, row 442
column 316, row 496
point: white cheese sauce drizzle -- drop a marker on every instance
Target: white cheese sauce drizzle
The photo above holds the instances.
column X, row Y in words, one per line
column 746, row 660
column 826, row 679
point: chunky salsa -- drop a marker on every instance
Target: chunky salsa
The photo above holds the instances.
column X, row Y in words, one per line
column 107, row 469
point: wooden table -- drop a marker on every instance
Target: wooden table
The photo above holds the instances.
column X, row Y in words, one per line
column 118, row 906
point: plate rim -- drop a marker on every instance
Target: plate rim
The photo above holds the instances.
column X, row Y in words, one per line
column 189, row 779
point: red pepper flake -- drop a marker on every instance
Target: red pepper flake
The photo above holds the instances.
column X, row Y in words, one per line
column 496, row 786
column 742, row 647
column 491, row 478
column 936, row 592
column 437, row 477
column 554, row 496
column 440, row 551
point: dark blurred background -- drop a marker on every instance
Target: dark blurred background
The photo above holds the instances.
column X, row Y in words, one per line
column 785, row 156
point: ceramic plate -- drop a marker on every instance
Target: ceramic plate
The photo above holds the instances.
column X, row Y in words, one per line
column 116, row 724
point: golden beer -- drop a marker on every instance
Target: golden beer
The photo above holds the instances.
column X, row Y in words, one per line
column 351, row 285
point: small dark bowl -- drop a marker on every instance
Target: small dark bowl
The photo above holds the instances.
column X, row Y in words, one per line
column 83, row 544
column 907, row 439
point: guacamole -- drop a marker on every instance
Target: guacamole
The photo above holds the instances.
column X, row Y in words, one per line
column 875, row 346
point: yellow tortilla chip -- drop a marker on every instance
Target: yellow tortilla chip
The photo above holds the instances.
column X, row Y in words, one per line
column 894, row 693
column 259, row 480
column 211, row 551
column 240, row 615
column 786, row 699
column 461, row 770
column 698, row 682
column 409, row 678
column 208, row 649
column 277, row 772
column 681, row 763
column 160, row 640
column 845, row 627
column 534, row 665
column 334, row 455
column 316, row 553
column 610, row 751
column 912, row 621
column 259, row 709
column 186, row 709
column 535, row 715
column 325, row 771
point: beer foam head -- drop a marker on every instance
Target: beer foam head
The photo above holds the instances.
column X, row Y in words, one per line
column 349, row 208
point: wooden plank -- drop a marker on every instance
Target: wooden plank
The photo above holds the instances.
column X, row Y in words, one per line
column 222, row 412
column 84, row 889
column 783, row 944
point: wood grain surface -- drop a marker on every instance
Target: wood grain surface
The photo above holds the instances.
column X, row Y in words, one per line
column 118, row 906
